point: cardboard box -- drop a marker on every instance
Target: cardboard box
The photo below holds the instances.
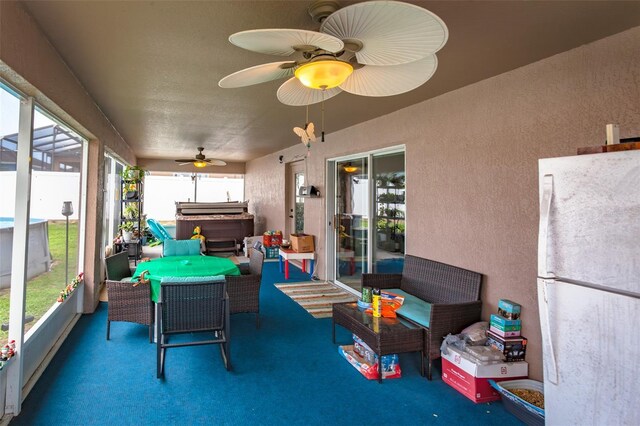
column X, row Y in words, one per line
column 472, row 380
column 513, row 348
column 508, row 309
column 504, row 324
column 502, row 333
column 505, row 328
column 302, row 243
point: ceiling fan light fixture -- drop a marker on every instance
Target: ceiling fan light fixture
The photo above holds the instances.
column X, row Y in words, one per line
column 200, row 163
column 325, row 74
column 349, row 168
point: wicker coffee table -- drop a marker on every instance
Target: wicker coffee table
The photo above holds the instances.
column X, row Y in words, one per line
column 384, row 336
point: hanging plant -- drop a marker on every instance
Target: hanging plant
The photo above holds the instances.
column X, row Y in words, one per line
column 133, row 174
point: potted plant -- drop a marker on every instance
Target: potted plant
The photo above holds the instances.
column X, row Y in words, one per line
column 130, row 211
column 133, row 174
column 129, row 191
column 127, row 229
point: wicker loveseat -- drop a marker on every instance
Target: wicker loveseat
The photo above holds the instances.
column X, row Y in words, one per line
column 452, row 297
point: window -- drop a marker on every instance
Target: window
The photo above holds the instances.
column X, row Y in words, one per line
column 53, row 232
column 9, row 117
column 162, row 190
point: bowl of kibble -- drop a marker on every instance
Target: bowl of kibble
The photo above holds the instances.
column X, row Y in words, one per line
column 523, row 398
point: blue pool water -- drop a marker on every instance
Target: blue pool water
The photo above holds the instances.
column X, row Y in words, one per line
column 7, row 222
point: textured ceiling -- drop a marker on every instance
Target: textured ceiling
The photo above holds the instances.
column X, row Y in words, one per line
column 153, row 67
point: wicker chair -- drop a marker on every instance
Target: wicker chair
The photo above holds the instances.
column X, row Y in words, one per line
column 187, row 307
column 117, row 266
column 244, row 290
column 454, row 295
column 130, row 304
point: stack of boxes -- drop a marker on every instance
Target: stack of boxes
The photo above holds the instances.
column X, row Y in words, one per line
column 469, row 370
column 505, row 331
column 271, row 241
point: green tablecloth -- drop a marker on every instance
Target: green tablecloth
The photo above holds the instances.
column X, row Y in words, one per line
column 184, row 266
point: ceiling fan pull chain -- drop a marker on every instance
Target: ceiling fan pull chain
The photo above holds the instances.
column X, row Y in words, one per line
column 322, row 139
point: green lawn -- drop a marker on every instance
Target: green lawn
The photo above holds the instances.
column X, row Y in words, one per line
column 43, row 290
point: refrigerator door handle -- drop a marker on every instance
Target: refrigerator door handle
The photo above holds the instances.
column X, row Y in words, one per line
column 545, row 212
column 551, row 366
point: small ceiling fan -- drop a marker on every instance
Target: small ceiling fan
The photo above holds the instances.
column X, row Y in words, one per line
column 200, row 160
column 374, row 48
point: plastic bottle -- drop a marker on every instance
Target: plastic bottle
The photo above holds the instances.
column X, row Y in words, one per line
column 377, row 305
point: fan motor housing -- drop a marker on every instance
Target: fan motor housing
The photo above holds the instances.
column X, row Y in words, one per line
column 319, row 10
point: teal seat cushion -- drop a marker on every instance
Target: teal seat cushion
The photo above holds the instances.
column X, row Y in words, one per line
column 181, row 248
column 413, row 308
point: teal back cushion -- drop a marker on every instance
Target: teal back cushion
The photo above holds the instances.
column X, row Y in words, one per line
column 413, row 308
column 181, row 248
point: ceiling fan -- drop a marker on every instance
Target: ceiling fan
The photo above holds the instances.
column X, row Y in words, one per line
column 374, row 48
column 200, row 160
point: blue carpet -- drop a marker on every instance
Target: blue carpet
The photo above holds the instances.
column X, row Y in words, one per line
column 288, row 371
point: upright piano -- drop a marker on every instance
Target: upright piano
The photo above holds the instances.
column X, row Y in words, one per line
column 220, row 223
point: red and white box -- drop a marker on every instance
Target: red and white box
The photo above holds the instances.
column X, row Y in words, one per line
column 472, row 380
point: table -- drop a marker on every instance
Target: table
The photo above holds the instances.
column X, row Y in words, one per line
column 384, row 336
column 289, row 254
column 183, row 266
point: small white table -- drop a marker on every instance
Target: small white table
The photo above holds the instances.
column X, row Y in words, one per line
column 288, row 254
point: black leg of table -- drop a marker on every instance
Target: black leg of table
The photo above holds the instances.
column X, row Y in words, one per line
column 379, row 368
column 333, row 323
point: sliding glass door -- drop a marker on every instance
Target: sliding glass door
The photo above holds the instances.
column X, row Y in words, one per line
column 389, row 213
column 367, row 211
column 351, row 220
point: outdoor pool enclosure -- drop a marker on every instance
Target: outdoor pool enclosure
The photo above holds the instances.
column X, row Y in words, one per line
column 39, row 257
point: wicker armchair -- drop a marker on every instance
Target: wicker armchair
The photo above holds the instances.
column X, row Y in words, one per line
column 188, row 307
column 130, row 304
column 117, row 266
column 244, row 290
column 454, row 295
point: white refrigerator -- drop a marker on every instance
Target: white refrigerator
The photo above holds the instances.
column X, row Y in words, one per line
column 589, row 288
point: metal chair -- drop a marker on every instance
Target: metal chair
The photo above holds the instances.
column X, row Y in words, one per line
column 129, row 304
column 244, row 290
column 117, row 266
column 192, row 307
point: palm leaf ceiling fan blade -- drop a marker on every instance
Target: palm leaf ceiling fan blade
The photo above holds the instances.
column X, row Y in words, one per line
column 294, row 93
column 392, row 43
column 372, row 80
column 258, row 74
column 283, row 42
column 390, row 32
column 200, row 158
